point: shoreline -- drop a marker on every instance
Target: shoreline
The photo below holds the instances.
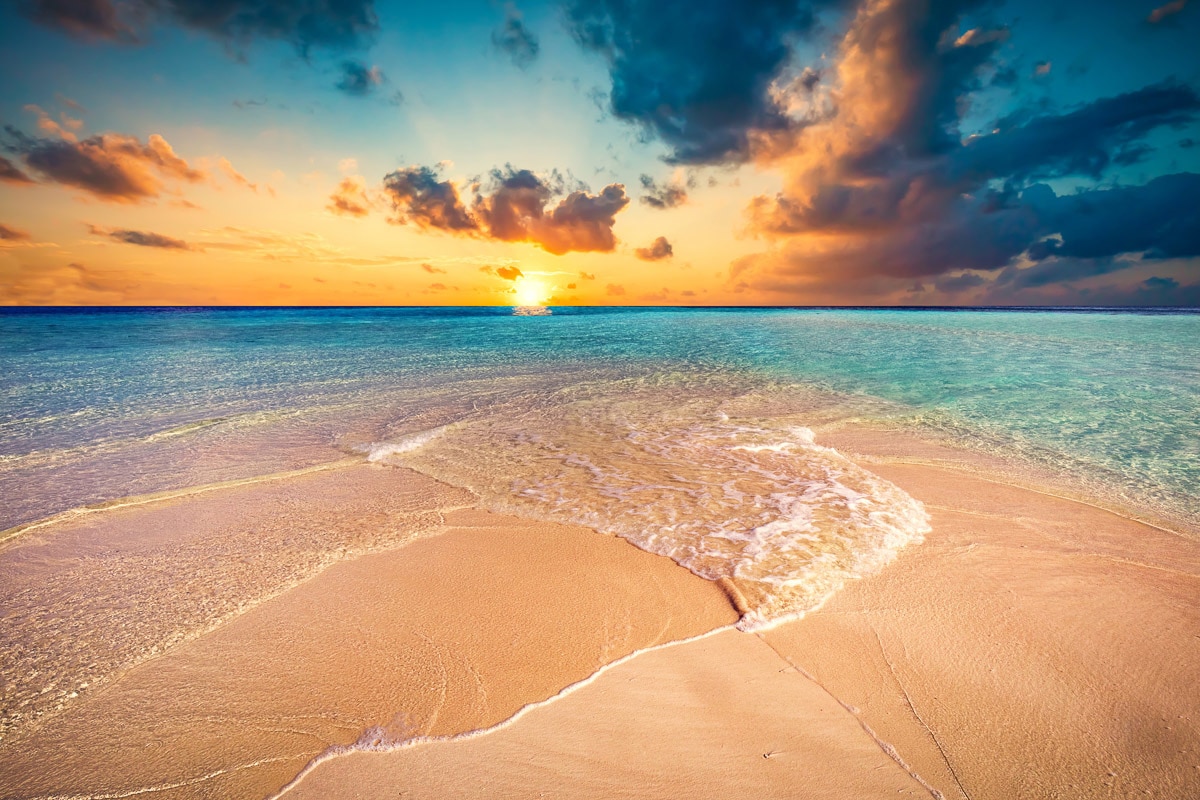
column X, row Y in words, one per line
column 847, row 648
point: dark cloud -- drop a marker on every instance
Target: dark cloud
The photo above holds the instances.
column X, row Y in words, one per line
column 1160, row 219
column 582, row 222
column 809, row 79
column 1058, row 270
column 659, row 249
column 959, row 283
column 1160, row 283
column 8, row 234
column 895, row 191
column 667, row 195
column 1166, row 10
column 110, row 166
column 358, row 80
column 304, row 24
column 1082, row 142
column 515, row 40
column 10, row 173
column 350, row 198
column 242, row 105
column 419, row 198
column 86, row 19
column 514, row 206
column 141, row 238
column 694, row 73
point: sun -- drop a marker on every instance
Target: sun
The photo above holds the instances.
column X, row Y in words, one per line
column 530, row 291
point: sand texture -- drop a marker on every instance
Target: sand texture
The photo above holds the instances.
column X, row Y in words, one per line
column 1032, row 647
column 448, row 634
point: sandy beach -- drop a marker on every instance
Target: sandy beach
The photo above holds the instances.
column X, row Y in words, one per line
column 1032, row 646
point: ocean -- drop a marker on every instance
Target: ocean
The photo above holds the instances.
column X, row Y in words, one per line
column 692, row 433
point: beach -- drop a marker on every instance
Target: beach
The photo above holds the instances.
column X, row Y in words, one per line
column 407, row 618
column 1006, row 656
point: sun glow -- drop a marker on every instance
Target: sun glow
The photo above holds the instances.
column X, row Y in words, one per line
column 530, row 291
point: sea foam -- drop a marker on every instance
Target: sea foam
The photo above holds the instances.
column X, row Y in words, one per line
column 724, row 488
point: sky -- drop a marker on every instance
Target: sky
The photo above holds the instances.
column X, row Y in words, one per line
column 600, row 152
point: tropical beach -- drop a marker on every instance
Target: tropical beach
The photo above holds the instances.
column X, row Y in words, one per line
column 595, row 399
column 458, row 593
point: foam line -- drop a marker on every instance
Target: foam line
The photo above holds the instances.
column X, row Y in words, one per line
column 140, row 500
column 375, row 739
column 165, row 787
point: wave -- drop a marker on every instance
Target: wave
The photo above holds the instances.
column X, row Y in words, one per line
column 386, row 451
column 730, row 488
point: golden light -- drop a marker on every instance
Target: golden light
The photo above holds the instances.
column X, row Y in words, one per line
column 530, row 291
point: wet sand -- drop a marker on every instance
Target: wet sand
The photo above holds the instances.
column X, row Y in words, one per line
column 1033, row 646
column 453, row 632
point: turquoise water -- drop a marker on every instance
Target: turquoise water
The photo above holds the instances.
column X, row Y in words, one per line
column 694, row 434
column 100, row 404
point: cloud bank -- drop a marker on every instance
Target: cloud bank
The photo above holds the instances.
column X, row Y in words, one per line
column 511, row 205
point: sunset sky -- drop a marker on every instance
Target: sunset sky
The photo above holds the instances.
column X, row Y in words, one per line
column 608, row 152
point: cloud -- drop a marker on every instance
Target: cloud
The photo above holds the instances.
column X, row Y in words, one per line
column 47, row 124
column 350, row 198
column 109, row 166
column 614, row 290
column 358, row 80
column 228, row 171
column 509, row 273
column 70, row 284
column 8, row 234
column 10, row 173
column 1166, row 10
column 1160, row 283
column 432, row 270
column 514, row 39
column 887, row 187
column 304, row 24
column 514, row 206
column 659, row 249
column 959, row 283
column 420, row 199
column 696, row 74
column 666, row 195
column 141, row 238
column 85, row 19
column 1159, row 219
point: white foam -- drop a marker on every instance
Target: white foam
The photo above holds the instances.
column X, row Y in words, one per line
column 378, row 740
column 752, row 498
column 382, row 451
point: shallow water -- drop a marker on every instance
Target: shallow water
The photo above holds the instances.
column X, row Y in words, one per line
column 101, row 404
column 687, row 432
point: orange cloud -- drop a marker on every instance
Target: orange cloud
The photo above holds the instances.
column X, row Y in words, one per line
column 110, row 166
column 235, row 176
column 515, row 208
column 350, row 198
column 659, row 249
column 8, row 234
column 141, row 238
